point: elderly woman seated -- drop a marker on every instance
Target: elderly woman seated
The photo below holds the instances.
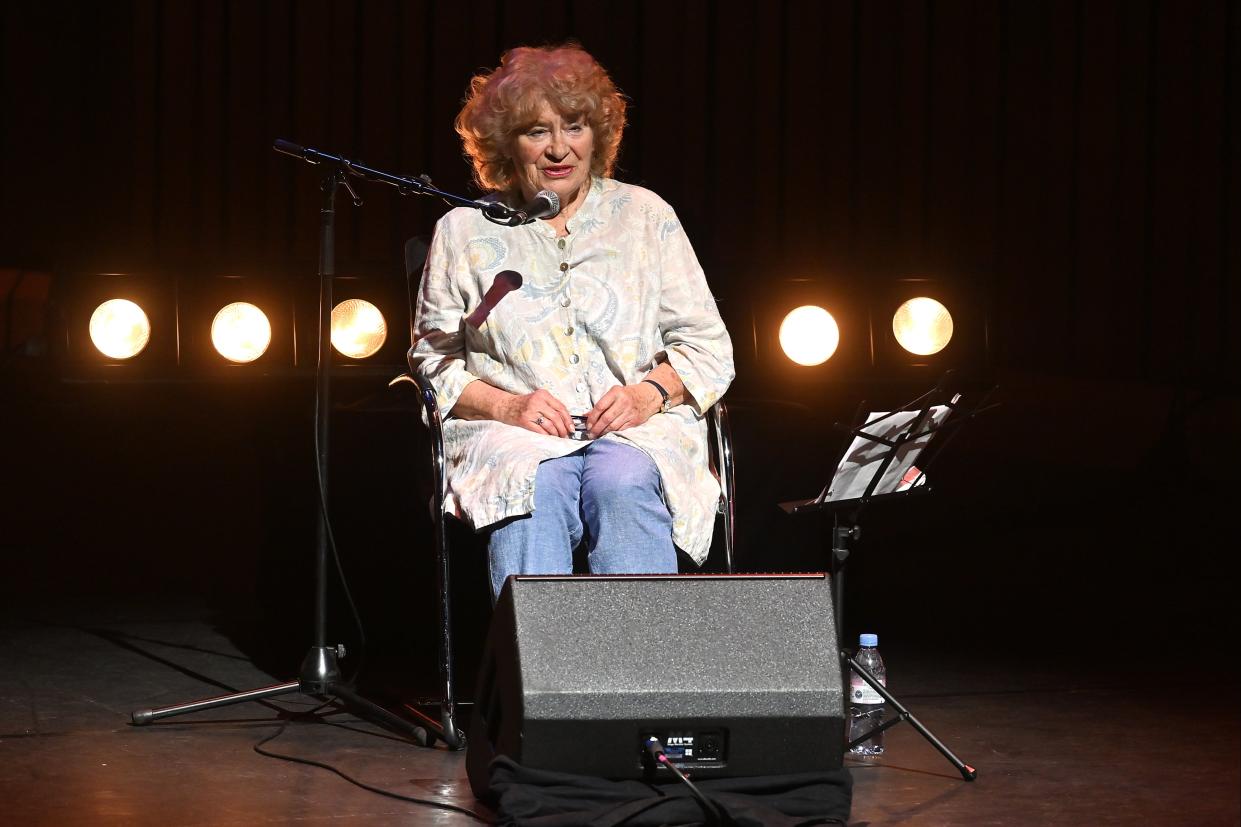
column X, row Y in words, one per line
column 574, row 403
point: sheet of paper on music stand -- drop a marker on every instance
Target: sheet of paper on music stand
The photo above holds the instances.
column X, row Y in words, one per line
column 861, row 462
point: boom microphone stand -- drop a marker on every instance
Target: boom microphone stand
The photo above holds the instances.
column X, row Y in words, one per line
column 320, row 674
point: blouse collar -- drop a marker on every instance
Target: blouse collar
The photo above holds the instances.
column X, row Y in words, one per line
column 589, row 205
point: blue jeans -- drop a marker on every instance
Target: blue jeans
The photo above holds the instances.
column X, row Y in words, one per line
column 609, row 494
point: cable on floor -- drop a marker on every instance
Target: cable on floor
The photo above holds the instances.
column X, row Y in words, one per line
column 426, row 802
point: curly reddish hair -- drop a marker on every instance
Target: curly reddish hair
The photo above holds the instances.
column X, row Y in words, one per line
column 504, row 103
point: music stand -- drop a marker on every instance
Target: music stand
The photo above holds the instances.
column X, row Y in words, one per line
column 877, row 465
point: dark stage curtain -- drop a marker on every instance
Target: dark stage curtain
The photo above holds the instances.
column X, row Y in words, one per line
column 1073, row 165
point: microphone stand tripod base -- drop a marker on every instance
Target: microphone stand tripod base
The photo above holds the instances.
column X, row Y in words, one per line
column 320, row 678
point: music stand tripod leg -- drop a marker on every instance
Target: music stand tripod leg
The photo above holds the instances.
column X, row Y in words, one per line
column 903, row 714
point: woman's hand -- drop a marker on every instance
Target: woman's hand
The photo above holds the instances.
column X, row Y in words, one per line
column 623, row 406
column 539, row 412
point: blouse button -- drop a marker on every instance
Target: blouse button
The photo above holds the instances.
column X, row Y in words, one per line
column 564, row 302
column 560, row 243
column 568, row 331
column 575, row 358
column 564, row 265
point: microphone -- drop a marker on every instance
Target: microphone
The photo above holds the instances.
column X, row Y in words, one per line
column 505, row 282
column 546, row 204
column 289, row 148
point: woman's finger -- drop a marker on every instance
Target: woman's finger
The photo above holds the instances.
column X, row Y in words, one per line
column 605, row 402
column 616, row 419
column 621, row 414
column 562, row 415
column 554, row 417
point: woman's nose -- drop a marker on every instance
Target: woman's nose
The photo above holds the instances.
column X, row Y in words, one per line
column 558, row 147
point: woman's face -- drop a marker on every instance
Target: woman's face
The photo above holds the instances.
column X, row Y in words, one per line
column 554, row 154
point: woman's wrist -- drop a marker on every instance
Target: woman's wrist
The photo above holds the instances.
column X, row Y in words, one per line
column 661, row 399
column 481, row 400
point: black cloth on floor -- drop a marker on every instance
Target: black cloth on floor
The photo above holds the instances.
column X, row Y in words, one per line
column 525, row 797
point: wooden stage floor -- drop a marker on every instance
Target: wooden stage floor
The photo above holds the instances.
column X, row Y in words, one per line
column 1134, row 742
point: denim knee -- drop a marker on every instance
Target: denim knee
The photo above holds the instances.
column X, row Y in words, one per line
column 619, row 473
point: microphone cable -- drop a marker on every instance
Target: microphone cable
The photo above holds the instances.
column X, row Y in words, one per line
column 330, row 541
column 709, row 808
column 313, row 717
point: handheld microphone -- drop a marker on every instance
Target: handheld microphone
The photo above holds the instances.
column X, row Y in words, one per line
column 545, row 204
column 505, row 282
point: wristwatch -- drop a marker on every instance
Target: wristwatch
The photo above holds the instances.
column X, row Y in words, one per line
column 666, row 404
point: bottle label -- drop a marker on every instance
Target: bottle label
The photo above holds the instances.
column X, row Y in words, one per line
column 860, row 692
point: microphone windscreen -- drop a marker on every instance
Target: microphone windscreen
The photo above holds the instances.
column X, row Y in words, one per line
column 509, row 277
column 289, row 148
column 553, row 200
column 505, row 282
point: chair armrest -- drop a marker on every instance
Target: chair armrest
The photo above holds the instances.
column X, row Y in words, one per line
column 435, row 434
column 720, row 446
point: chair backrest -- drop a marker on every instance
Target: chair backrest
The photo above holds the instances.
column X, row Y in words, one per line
column 416, row 250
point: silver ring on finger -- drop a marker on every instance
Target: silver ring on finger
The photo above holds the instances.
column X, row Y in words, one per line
column 539, row 421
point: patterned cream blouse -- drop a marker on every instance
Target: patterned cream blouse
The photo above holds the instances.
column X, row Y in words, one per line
column 622, row 292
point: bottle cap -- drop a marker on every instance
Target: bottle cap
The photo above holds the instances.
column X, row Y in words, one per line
column 868, row 640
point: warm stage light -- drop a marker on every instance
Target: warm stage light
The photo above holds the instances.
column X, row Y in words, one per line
column 809, row 335
column 241, row 332
column 120, row 329
column 922, row 326
column 358, row 328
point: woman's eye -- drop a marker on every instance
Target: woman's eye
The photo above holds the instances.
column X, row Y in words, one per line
column 536, row 133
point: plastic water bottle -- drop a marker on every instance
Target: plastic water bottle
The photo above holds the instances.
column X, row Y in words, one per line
column 865, row 704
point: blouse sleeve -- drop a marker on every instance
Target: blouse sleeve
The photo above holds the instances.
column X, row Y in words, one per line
column 696, row 343
column 438, row 353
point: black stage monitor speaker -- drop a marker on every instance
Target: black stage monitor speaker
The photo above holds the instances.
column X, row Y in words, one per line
column 737, row 675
